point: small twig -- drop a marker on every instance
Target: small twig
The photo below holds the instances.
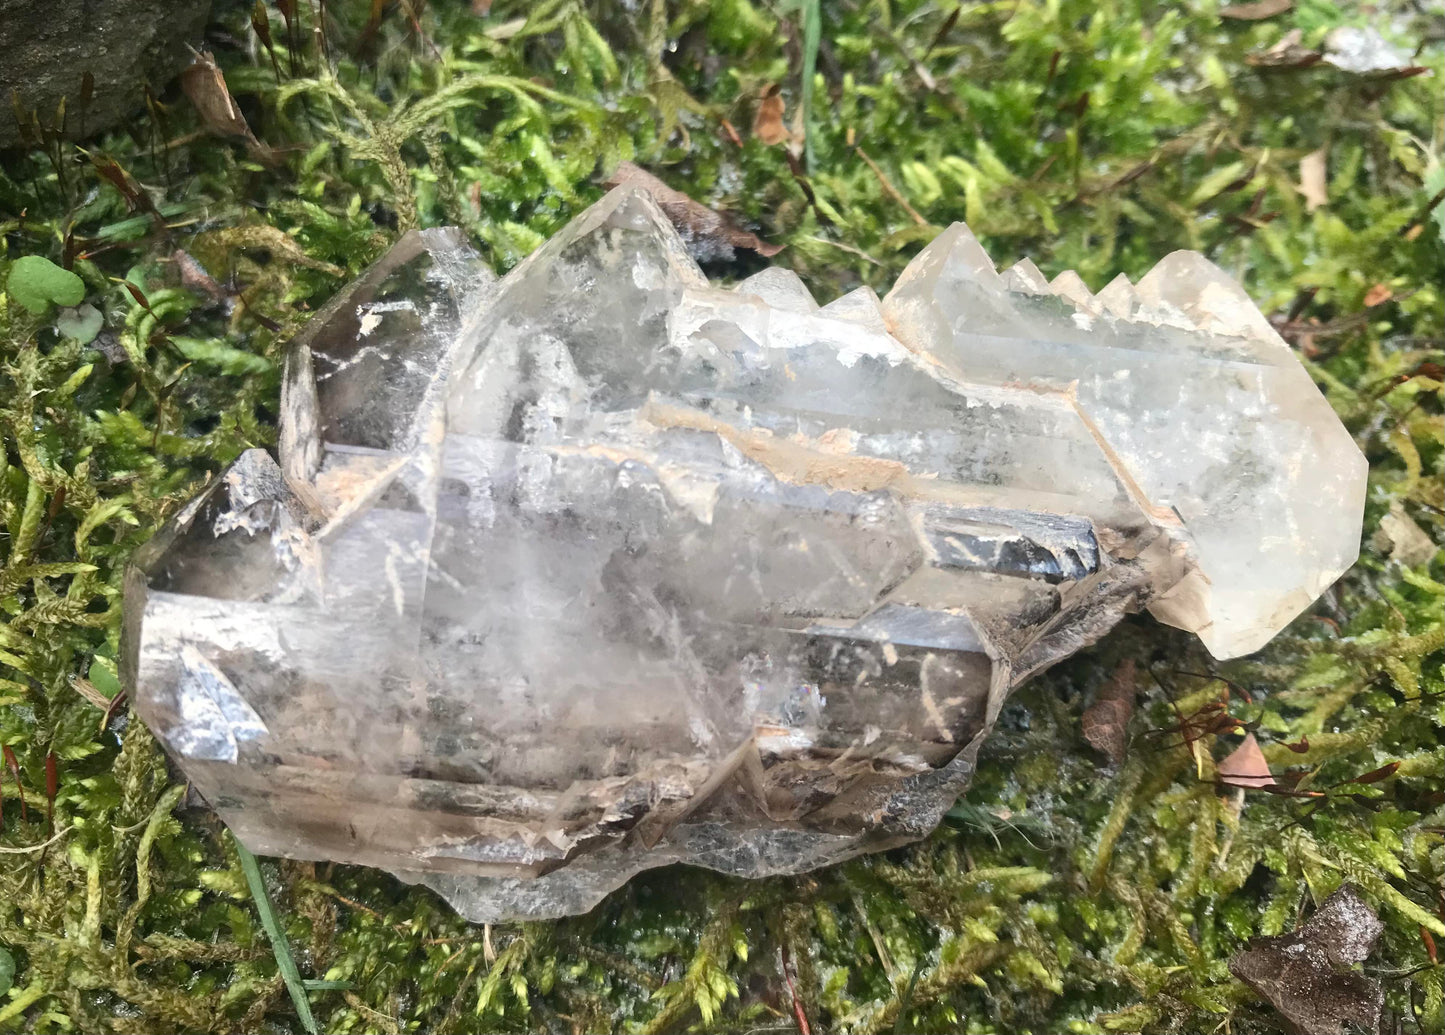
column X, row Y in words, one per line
column 889, row 189
column 41, row 846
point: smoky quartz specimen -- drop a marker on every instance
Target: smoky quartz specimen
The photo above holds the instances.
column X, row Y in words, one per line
column 600, row 567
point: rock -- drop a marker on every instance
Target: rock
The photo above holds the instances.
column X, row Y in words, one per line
column 47, row 46
column 1309, row 975
column 601, row 567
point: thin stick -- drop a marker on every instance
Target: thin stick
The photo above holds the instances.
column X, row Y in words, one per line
column 35, row 848
column 889, row 189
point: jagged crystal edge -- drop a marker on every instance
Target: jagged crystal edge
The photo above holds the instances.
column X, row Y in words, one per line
column 601, row 567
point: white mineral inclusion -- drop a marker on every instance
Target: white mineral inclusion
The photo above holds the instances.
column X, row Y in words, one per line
column 601, row 567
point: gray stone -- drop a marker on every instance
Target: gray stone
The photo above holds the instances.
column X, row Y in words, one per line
column 47, row 46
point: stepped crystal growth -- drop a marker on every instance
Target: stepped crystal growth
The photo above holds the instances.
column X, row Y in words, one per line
column 600, row 567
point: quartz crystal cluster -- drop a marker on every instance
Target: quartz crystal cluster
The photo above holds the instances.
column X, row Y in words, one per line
column 601, row 567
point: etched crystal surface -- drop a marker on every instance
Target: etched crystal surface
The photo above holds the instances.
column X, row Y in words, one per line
column 601, row 567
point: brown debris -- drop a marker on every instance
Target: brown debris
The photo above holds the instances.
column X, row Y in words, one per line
column 1378, row 294
column 1306, row 975
column 1106, row 722
column 194, row 277
column 710, row 236
column 1404, row 540
column 1287, row 53
column 205, row 87
column 768, row 123
column 1246, row 767
column 1313, row 185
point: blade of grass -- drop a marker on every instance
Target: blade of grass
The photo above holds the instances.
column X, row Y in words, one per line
column 282, row 949
column 812, row 38
column 906, row 1000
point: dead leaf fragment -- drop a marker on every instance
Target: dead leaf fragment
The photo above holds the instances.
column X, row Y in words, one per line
column 1385, row 771
column 709, row 236
column 768, row 123
column 1246, row 766
column 1378, row 294
column 194, row 277
column 1406, row 541
column 1306, row 974
column 85, row 688
column 1312, row 180
column 1105, row 723
column 1256, row 11
column 205, row 87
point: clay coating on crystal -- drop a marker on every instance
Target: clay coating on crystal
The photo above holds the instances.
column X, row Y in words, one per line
column 601, row 567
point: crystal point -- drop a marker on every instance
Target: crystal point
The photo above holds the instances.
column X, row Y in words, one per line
column 600, row 567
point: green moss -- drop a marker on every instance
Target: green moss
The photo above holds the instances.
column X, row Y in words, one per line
column 1058, row 896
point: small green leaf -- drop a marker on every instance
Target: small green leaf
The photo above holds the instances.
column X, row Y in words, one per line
column 83, row 323
column 37, row 283
column 7, row 970
column 103, row 679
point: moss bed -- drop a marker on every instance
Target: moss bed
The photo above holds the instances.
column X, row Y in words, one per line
column 1063, row 894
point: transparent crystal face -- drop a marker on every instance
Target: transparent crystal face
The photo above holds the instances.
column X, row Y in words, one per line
column 1197, row 396
column 601, row 567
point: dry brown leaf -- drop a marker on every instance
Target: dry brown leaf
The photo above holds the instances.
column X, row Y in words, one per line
column 1246, row 766
column 205, row 87
column 1106, row 722
column 1312, row 180
column 1256, row 11
column 1378, row 294
column 1307, row 974
column 194, row 277
column 710, row 236
column 85, row 688
column 768, row 123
